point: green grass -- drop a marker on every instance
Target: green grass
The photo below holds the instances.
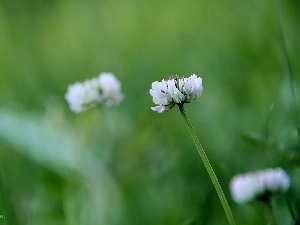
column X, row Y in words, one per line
column 129, row 165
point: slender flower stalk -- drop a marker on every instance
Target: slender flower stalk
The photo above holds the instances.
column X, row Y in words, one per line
column 177, row 91
column 208, row 167
column 293, row 216
column 270, row 217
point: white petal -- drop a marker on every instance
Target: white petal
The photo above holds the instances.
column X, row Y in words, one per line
column 177, row 96
column 111, row 89
column 160, row 93
column 160, row 108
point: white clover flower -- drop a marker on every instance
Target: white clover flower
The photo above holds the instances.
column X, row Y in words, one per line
column 258, row 185
column 176, row 90
column 110, row 89
column 102, row 90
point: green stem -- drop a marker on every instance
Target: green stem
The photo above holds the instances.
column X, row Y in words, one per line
column 290, row 209
column 271, row 217
column 208, row 167
column 267, row 136
column 287, row 63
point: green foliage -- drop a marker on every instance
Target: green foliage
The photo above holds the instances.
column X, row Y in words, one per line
column 127, row 164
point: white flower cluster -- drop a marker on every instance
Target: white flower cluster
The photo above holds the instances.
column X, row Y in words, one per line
column 255, row 185
column 176, row 90
column 102, row 90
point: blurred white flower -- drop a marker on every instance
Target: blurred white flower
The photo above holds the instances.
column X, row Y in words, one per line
column 102, row 90
column 111, row 89
column 176, row 90
column 258, row 185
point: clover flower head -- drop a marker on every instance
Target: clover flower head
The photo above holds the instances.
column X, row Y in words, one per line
column 102, row 90
column 258, row 185
column 176, row 90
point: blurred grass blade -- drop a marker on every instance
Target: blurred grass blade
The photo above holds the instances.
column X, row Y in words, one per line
column 35, row 138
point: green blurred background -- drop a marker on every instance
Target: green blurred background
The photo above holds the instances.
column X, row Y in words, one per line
column 126, row 164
